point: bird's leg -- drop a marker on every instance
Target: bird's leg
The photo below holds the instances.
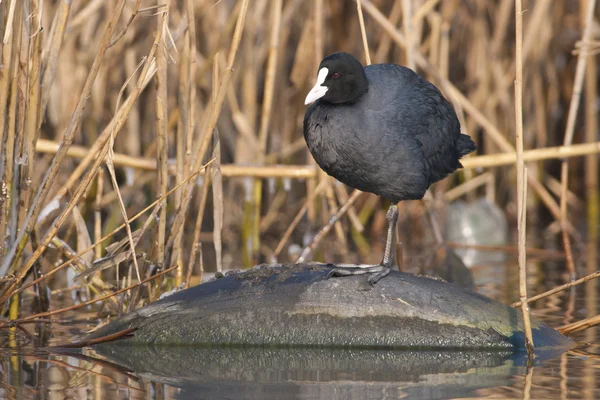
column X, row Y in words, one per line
column 378, row 271
column 392, row 218
column 388, row 254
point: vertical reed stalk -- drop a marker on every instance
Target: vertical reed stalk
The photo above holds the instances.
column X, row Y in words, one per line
column 270, row 80
column 363, row 32
column 521, row 179
column 318, row 16
column 33, row 111
column 408, row 32
column 98, row 213
column 10, row 261
column 212, row 118
column 162, row 116
column 217, row 177
column 570, row 130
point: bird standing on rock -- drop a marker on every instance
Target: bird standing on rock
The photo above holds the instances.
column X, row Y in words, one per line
column 381, row 129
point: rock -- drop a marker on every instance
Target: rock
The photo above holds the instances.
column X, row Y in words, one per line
column 296, row 305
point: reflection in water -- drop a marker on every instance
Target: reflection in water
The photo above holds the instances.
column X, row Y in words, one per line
column 267, row 373
column 127, row 372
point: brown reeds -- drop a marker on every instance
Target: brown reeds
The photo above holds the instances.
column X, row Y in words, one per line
column 75, row 96
column 521, row 179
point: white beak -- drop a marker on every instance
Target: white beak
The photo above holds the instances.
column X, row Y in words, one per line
column 318, row 90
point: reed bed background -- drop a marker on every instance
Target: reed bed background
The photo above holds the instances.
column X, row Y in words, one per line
column 155, row 141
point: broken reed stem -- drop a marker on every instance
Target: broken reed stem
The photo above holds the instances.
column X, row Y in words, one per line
column 559, row 289
column 321, row 234
column 521, row 179
column 570, row 129
column 579, row 326
column 11, row 260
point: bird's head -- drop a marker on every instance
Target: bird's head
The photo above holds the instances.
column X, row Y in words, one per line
column 341, row 79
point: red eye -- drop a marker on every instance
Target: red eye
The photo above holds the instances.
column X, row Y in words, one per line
column 335, row 75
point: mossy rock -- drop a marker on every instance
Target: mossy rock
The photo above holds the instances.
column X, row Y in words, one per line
column 297, row 305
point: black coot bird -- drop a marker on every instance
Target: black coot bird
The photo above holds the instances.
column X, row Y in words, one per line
column 381, row 129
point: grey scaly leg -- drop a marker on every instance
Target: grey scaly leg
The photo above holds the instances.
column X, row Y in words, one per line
column 381, row 270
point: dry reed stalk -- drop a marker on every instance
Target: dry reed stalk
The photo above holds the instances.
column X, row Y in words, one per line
column 113, row 176
column 162, row 133
column 269, row 89
column 5, row 76
column 363, row 32
column 469, row 186
column 217, row 179
column 318, row 16
column 96, row 285
column 333, row 208
column 98, row 212
column 591, row 191
column 385, row 41
column 183, row 112
column 560, row 288
column 288, row 232
column 570, row 130
column 408, row 32
column 100, row 157
column 212, row 118
column 108, row 236
column 33, row 109
column 579, row 326
column 521, row 179
column 534, row 252
column 109, row 149
column 196, row 249
column 114, row 125
column 92, row 301
column 325, row 230
column 342, row 195
column 9, row 197
column 308, row 172
column 11, row 259
column 136, row 9
column 528, row 382
column 423, row 11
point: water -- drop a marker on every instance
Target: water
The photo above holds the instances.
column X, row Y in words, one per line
column 30, row 372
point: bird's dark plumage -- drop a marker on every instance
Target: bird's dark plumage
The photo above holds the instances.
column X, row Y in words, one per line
column 383, row 129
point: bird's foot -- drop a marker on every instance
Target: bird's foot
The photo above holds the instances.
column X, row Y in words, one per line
column 377, row 271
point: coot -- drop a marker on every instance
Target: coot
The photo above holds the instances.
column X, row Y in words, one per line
column 381, row 129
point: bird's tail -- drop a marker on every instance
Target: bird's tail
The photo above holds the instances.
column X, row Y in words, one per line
column 465, row 145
